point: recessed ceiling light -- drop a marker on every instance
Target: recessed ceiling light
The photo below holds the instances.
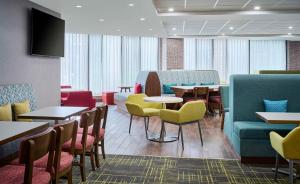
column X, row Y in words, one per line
column 256, row 7
column 175, row 34
column 78, row 6
column 150, row 29
column 223, row 34
column 174, row 28
column 142, row 19
column 131, row 4
column 289, row 33
column 101, row 20
column 170, row 9
column 118, row 30
column 231, row 28
column 290, row 27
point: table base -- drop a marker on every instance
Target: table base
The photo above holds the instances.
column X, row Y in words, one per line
column 156, row 138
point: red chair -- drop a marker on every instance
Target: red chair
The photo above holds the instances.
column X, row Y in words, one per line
column 31, row 149
column 79, row 99
column 65, row 87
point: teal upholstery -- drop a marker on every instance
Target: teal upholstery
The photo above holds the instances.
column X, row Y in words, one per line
column 167, row 88
column 207, row 83
column 224, row 91
column 248, row 134
column 189, row 84
column 276, row 105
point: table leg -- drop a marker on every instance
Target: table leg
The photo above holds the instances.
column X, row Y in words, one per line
column 161, row 137
column 56, row 122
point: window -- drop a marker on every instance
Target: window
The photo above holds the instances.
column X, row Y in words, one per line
column 149, row 53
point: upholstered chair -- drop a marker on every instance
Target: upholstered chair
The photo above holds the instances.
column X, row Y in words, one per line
column 288, row 148
column 136, row 106
column 190, row 112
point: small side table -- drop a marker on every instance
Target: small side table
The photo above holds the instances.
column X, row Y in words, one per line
column 125, row 88
column 108, row 97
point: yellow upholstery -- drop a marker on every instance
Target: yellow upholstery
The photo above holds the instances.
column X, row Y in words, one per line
column 288, row 146
column 136, row 105
column 5, row 113
column 189, row 112
column 21, row 108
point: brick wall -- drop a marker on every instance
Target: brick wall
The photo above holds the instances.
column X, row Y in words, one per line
column 175, row 55
column 293, row 55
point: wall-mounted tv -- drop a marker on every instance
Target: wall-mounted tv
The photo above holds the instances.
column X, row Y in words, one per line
column 48, row 34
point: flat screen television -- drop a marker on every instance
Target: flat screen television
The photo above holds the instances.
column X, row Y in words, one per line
column 48, row 34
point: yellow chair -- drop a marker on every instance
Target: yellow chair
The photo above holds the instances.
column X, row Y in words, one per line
column 287, row 147
column 190, row 112
column 136, row 106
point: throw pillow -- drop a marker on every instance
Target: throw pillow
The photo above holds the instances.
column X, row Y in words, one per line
column 5, row 113
column 207, row 83
column 276, row 106
column 188, row 84
column 167, row 88
column 21, row 108
column 137, row 88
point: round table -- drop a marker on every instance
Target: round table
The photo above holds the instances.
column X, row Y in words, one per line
column 161, row 137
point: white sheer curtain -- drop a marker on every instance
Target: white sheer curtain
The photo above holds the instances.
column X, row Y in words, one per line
column 237, row 57
column 149, row 53
column 130, row 59
column 74, row 66
column 267, row 55
column 220, row 58
column 111, row 62
column 95, row 64
column 204, row 54
column 189, row 54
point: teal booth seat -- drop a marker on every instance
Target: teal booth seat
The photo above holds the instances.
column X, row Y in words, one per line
column 248, row 134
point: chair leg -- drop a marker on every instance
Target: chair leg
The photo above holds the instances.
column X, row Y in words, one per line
column 276, row 167
column 131, row 116
column 291, row 171
column 82, row 167
column 146, row 129
column 148, row 119
column 199, row 127
column 92, row 159
column 69, row 176
column 181, row 132
column 102, row 149
column 223, row 119
column 96, row 154
column 179, row 129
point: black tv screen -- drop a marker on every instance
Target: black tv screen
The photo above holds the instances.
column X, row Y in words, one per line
column 48, row 34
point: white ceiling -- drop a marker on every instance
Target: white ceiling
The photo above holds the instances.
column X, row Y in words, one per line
column 207, row 18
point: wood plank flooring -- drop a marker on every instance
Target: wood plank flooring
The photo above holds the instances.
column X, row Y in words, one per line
column 119, row 141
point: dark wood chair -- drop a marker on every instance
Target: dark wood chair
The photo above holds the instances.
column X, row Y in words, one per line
column 200, row 93
column 31, row 149
column 84, row 142
column 215, row 102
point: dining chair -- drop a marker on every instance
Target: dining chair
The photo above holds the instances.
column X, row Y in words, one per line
column 224, row 93
column 288, row 148
column 136, row 106
column 31, row 149
column 84, row 142
column 200, row 93
column 190, row 112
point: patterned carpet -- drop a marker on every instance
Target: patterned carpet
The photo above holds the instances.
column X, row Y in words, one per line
column 150, row 169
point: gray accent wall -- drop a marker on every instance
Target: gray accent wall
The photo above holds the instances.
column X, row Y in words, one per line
column 16, row 64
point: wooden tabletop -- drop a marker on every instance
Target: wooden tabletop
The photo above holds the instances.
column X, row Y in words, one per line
column 10, row 131
column 163, row 99
column 279, row 117
column 53, row 113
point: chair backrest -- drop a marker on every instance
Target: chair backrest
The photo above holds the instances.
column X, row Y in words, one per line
column 192, row 111
column 224, row 91
column 137, row 99
column 291, row 145
column 100, row 118
column 65, row 132
column 87, row 119
column 201, row 92
column 35, row 147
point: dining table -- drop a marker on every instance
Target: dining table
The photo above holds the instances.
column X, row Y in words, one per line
column 181, row 90
column 55, row 113
column 162, row 137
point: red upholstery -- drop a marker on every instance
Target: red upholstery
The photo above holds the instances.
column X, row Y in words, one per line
column 66, row 160
column 90, row 132
column 79, row 99
column 108, row 97
column 215, row 99
column 78, row 146
column 137, row 88
column 13, row 174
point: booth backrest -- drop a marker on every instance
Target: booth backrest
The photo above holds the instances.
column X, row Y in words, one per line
column 248, row 91
column 13, row 93
column 279, row 72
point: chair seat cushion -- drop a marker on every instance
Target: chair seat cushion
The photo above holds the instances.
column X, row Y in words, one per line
column 78, row 146
column 90, row 132
column 151, row 111
column 10, row 174
column 215, row 99
column 260, row 130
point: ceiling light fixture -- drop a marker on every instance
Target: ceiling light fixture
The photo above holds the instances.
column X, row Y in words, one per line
column 142, row 19
column 150, row 29
column 289, row 33
column 118, row 30
column 223, row 34
column 174, row 28
column 78, row 6
column 101, row 20
column 290, row 27
column 256, row 7
column 131, row 4
column 170, row 9
column 231, row 28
